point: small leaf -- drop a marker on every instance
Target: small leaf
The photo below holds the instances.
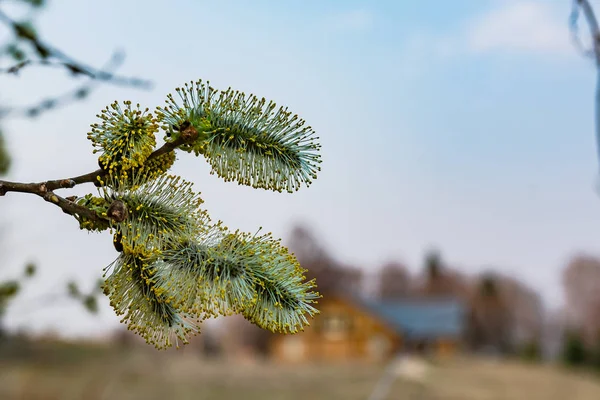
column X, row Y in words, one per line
column 91, row 304
column 30, row 270
column 73, row 289
column 9, row 289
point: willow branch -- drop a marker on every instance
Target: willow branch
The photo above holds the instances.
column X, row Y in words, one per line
column 94, row 176
column 46, row 189
column 42, row 190
column 68, row 183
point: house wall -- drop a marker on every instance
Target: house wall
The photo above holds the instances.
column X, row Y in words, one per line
column 446, row 347
column 343, row 332
column 340, row 333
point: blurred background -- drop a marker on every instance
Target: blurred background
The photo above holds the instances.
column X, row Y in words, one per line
column 454, row 230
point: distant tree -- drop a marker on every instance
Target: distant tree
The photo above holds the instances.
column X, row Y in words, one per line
column 438, row 280
column 526, row 309
column 530, row 351
column 581, row 282
column 333, row 277
column 574, row 351
column 434, row 283
column 394, row 281
column 244, row 335
column 594, row 353
column 490, row 320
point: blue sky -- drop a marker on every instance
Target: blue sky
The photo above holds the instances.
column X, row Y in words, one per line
column 465, row 125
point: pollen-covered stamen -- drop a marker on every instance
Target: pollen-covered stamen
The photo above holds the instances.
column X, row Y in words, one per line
column 151, row 169
column 284, row 298
column 245, row 138
column 125, row 137
column 133, row 290
column 100, row 206
column 158, row 211
column 208, row 277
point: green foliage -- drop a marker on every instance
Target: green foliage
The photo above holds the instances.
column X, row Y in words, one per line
column 574, row 351
column 176, row 267
column 595, row 354
column 4, row 156
column 35, row 3
column 531, row 351
column 10, row 288
column 488, row 286
column 30, row 270
column 89, row 301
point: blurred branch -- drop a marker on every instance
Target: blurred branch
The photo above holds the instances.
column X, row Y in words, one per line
column 586, row 9
column 78, row 93
column 74, row 69
column 46, row 51
column 50, row 56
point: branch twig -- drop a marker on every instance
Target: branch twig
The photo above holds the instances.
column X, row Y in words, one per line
column 46, row 189
column 586, row 8
column 41, row 189
column 73, row 68
column 46, row 51
column 53, row 57
column 53, row 103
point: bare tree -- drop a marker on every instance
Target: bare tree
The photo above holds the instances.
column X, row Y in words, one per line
column 438, row 280
column 394, row 281
column 581, row 281
column 333, row 277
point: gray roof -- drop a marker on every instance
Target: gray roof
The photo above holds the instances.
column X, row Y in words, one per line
column 421, row 318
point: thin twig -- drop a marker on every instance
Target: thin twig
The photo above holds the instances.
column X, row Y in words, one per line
column 46, row 51
column 46, row 189
column 72, row 68
column 53, row 57
column 592, row 21
column 41, row 189
column 55, row 102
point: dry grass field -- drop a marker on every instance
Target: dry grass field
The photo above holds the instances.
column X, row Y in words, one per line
column 100, row 375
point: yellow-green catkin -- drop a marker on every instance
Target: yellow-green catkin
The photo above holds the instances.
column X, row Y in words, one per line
column 125, row 138
column 100, row 206
column 244, row 138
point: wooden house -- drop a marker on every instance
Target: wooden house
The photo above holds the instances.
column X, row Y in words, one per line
column 351, row 329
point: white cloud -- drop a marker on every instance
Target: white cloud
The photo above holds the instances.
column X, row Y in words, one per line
column 523, row 26
column 354, row 20
column 512, row 27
